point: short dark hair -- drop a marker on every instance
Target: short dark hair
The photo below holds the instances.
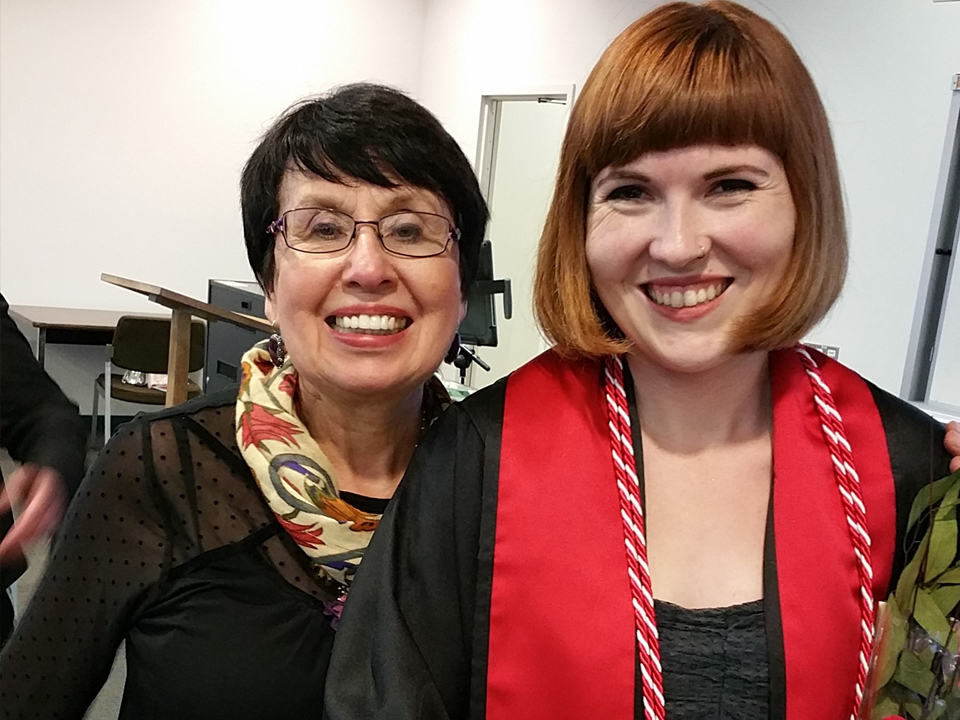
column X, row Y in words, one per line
column 365, row 132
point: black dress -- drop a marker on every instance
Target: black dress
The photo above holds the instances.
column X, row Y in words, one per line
column 170, row 545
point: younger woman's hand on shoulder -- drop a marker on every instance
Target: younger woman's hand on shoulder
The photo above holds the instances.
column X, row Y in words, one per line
column 952, row 443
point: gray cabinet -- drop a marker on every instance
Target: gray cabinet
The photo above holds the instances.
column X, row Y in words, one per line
column 227, row 343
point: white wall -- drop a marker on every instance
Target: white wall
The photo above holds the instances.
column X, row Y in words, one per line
column 883, row 68
column 124, row 125
column 527, row 151
column 477, row 47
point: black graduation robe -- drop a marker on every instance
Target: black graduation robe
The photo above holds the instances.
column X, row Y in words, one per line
column 496, row 583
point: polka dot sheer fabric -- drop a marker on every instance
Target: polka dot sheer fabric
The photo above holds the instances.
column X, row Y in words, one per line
column 151, row 532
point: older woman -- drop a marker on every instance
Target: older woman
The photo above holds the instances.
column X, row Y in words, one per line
column 678, row 511
column 218, row 538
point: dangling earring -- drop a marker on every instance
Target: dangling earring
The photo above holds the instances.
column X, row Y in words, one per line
column 276, row 348
column 454, row 352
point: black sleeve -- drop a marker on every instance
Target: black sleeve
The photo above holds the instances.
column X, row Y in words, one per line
column 38, row 423
column 405, row 644
column 917, row 458
column 110, row 552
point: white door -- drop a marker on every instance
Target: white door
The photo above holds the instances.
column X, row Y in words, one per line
column 523, row 164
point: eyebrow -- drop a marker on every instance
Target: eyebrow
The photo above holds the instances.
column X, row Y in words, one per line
column 316, row 201
column 618, row 174
column 627, row 174
column 402, row 200
column 624, row 174
column 734, row 169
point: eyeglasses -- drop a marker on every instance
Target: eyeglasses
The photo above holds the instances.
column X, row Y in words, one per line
column 321, row 230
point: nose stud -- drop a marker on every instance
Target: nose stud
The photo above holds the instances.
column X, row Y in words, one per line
column 703, row 253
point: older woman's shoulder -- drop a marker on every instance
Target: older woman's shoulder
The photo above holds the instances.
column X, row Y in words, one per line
column 221, row 401
column 182, row 465
column 212, row 417
column 189, row 446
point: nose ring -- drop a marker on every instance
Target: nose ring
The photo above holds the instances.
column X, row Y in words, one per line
column 703, row 253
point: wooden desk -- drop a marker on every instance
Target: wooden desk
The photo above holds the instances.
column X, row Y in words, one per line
column 183, row 309
column 70, row 326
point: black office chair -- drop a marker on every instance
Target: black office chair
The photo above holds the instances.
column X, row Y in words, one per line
column 142, row 344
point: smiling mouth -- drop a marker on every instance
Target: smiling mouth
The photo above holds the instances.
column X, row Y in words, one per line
column 369, row 324
column 688, row 296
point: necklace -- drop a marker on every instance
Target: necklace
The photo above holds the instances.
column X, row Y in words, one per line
column 631, row 513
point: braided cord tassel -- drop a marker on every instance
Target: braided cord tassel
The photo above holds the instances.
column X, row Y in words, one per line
column 631, row 512
column 848, row 482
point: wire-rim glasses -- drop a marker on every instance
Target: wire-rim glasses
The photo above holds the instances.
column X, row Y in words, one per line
column 322, row 230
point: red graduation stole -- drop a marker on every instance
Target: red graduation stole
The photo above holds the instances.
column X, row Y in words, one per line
column 562, row 639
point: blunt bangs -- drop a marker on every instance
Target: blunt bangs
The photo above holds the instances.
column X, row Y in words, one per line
column 675, row 83
column 685, row 75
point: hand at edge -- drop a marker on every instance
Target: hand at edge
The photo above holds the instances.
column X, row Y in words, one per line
column 952, row 443
column 42, row 496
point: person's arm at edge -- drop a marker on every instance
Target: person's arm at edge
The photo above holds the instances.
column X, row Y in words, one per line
column 952, row 442
column 105, row 563
column 41, row 428
column 38, row 423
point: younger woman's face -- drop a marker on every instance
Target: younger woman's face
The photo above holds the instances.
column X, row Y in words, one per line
column 682, row 244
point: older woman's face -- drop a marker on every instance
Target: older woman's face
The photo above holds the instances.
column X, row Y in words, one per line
column 415, row 303
column 649, row 223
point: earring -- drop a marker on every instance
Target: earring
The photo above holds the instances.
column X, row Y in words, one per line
column 454, row 352
column 277, row 350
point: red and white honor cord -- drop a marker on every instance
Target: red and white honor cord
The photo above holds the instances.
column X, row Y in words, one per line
column 848, row 482
column 631, row 512
column 634, row 538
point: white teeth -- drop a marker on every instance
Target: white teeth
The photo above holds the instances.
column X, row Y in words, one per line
column 686, row 298
column 375, row 324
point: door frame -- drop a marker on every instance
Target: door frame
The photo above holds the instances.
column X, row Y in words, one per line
column 489, row 123
column 488, row 131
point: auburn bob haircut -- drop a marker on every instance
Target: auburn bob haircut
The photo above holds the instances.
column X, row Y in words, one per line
column 685, row 75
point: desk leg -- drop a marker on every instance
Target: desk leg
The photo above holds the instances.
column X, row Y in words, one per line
column 178, row 363
column 41, row 345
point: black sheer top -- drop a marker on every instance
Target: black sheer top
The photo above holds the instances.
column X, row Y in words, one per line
column 170, row 545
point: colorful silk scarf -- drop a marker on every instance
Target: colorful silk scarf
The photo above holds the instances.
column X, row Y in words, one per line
column 293, row 473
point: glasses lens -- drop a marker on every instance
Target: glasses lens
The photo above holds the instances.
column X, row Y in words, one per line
column 415, row 234
column 317, row 230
